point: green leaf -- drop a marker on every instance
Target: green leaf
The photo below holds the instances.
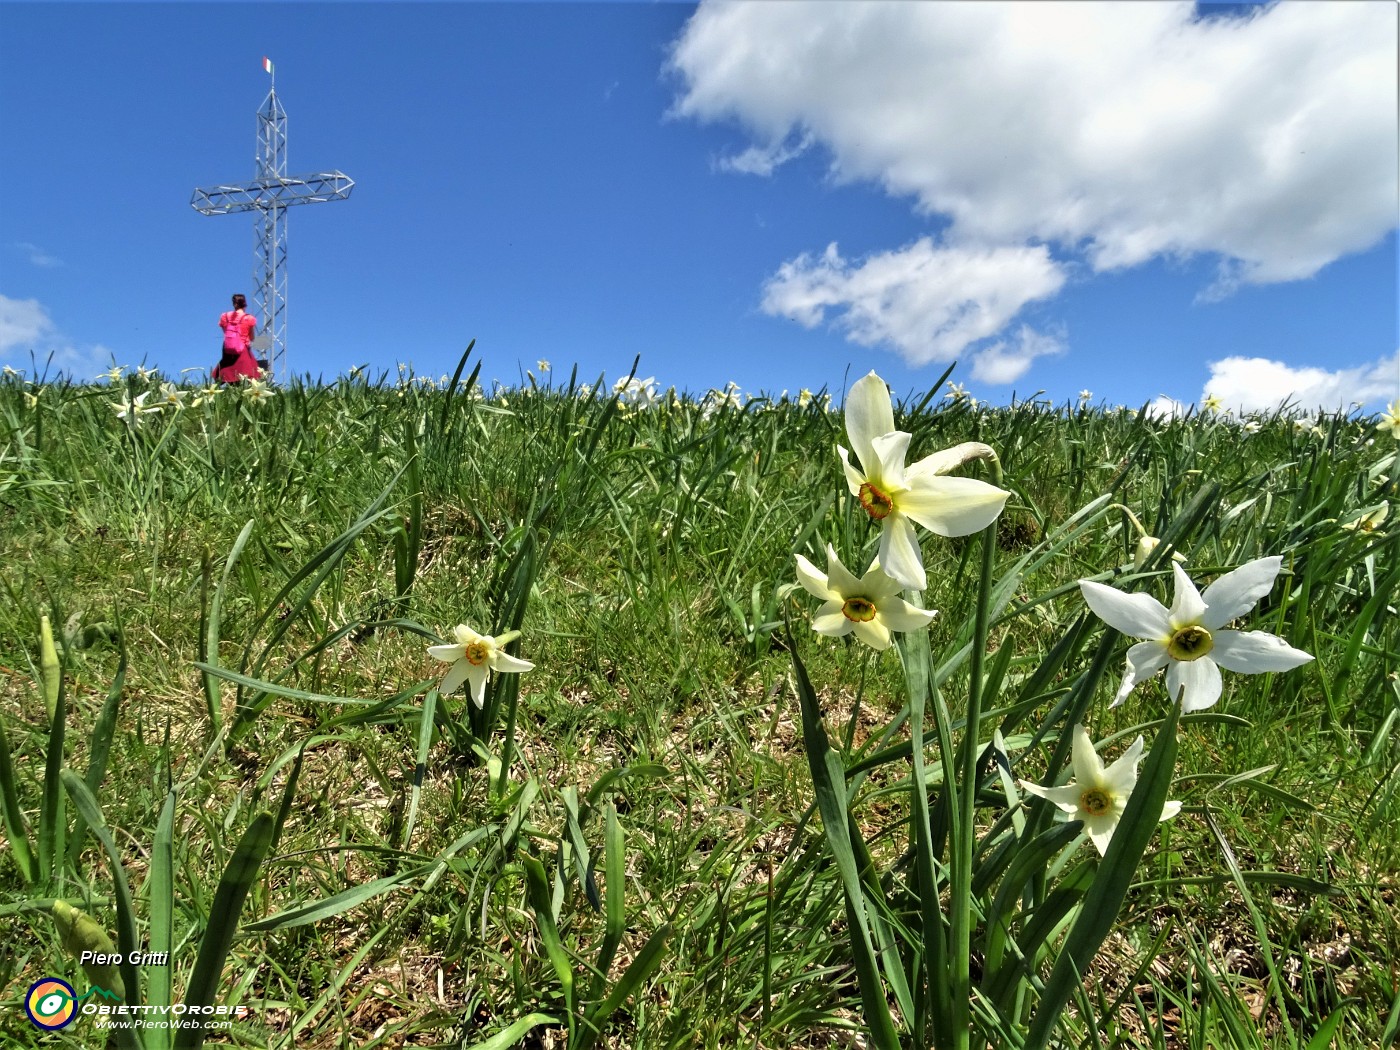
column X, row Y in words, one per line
column 510, row 1037
column 222, row 923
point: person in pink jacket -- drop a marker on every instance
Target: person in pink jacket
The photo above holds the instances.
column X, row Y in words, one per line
column 238, row 362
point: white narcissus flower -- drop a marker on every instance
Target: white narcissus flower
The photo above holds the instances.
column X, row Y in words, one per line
column 1188, row 639
column 1098, row 796
column 133, row 409
column 1390, row 419
column 257, row 390
column 1212, row 403
column 1368, row 521
column 473, row 656
column 869, row 606
column 171, row 396
column 895, row 496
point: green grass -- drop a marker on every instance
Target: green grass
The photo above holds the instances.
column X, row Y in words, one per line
column 629, row 852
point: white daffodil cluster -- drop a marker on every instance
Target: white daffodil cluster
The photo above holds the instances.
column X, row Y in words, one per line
column 636, row 393
column 896, row 498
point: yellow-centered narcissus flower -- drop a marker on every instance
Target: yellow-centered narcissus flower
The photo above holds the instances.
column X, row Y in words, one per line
column 1189, row 639
column 473, row 656
column 1098, row 796
column 1368, row 521
column 869, row 606
column 1390, row 419
column 896, row 496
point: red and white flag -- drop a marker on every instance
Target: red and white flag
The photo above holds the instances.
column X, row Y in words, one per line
column 267, row 64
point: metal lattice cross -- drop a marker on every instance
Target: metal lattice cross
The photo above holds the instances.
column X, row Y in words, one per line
column 269, row 195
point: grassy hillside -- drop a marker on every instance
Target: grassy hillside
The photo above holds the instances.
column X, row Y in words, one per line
column 626, row 845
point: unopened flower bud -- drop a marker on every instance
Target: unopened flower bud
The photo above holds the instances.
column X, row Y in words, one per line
column 80, row 933
column 51, row 672
column 1146, row 546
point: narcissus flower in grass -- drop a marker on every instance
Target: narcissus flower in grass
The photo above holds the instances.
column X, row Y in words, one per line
column 895, row 496
column 1189, row 639
column 1098, row 796
column 473, row 656
column 1390, row 420
column 1368, row 521
column 132, row 409
column 869, row 606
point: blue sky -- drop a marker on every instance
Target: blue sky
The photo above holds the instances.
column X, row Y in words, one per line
column 778, row 195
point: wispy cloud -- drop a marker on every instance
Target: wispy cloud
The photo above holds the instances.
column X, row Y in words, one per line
column 1008, row 360
column 27, row 333
column 36, row 255
column 927, row 302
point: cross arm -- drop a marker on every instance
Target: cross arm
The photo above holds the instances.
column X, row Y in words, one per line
column 268, row 193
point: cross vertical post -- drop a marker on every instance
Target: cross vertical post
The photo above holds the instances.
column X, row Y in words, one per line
column 268, row 196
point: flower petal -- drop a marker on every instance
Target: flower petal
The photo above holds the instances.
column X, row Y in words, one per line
column 899, row 553
column 1121, row 777
column 1170, row 810
column 840, row 579
column 890, row 450
column 448, row 654
column 899, row 615
column 456, row 675
column 1100, row 829
column 1235, row 593
column 873, row 633
column 948, row 460
column 1253, row 652
column 831, row 621
column 1136, row 615
column 1067, row 797
column 1201, row 679
column 868, row 415
column 510, row 664
column 952, row 506
column 854, row 478
column 477, row 675
column 1187, row 605
column 812, row 580
column 1088, row 769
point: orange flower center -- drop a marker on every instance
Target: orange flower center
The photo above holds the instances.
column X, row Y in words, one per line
column 1095, row 802
column 876, row 503
column 476, row 653
column 861, row 610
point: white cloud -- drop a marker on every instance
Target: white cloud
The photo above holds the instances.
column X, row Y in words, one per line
column 1167, row 408
column 28, row 333
column 764, row 160
column 1126, row 131
column 1004, row 362
column 37, row 256
column 929, row 303
column 1257, row 384
column 23, row 324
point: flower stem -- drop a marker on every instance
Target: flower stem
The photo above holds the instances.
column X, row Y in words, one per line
column 964, row 830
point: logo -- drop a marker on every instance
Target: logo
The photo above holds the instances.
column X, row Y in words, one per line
column 51, row 1004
